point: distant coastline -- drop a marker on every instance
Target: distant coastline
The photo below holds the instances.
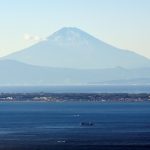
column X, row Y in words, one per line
column 75, row 97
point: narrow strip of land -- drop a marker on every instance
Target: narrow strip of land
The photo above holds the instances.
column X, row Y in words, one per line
column 62, row 97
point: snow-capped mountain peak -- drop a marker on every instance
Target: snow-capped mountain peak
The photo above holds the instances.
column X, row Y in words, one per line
column 73, row 48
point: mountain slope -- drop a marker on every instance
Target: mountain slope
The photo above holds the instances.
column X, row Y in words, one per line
column 73, row 48
column 16, row 73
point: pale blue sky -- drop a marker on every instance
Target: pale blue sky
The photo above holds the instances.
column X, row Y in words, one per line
column 122, row 23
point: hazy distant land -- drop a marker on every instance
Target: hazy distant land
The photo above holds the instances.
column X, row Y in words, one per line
column 75, row 97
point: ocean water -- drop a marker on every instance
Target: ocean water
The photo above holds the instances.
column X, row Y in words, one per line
column 48, row 126
column 78, row 89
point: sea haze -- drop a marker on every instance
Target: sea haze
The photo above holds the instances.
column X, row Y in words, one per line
column 77, row 89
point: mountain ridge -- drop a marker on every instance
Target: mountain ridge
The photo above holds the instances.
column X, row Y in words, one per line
column 16, row 73
column 74, row 48
column 71, row 56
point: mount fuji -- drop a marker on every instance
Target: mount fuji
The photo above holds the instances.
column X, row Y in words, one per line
column 73, row 48
column 73, row 57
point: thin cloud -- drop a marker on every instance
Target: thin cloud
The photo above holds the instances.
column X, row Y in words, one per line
column 33, row 38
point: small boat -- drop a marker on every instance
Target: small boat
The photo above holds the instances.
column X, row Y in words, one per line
column 87, row 124
column 63, row 141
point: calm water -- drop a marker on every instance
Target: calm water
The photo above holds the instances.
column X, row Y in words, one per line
column 40, row 126
column 79, row 89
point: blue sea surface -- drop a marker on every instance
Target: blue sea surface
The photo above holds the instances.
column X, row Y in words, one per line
column 77, row 89
column 43, row 125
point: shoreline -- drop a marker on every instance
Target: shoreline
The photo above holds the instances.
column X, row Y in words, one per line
column 75, row 97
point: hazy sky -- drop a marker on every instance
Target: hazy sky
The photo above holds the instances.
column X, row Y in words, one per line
column 122, row 23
